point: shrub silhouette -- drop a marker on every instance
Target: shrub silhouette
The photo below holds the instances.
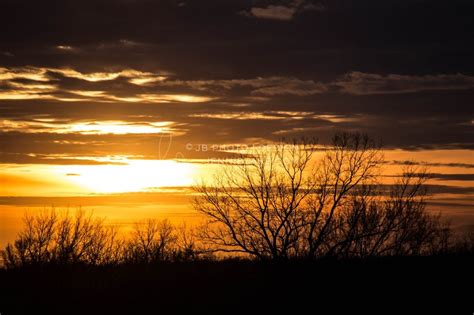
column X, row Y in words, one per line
column 62, row 238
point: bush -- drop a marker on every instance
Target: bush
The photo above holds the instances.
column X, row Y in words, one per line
column 50, row 237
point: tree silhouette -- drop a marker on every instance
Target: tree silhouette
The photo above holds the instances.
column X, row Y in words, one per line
column 286, row 202
column 151, row 242
column 372, row 224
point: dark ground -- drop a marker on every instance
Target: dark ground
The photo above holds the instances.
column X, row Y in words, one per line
column 428, row 285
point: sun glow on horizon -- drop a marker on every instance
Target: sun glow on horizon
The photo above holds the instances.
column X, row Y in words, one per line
column 119, row 127
column 122, row 174
column 136, row 176
column 78, row 180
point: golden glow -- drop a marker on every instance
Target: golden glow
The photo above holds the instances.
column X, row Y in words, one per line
column 22, row 95
column 33, row 180
column 147, row 80
column 125, row 174
column 58, row 180
column 91, row 77
column 119, row 127
column 269, row 115
column 128, row 175
column 30, row 73
column 40, row 74
column 164, row 98
column 19, row 91
column 37, row 87
column 143, row 98
column 138, row 175
column 277, row 115
column 88, row 93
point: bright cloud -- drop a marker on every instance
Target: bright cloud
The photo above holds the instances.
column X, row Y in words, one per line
column 86, row 127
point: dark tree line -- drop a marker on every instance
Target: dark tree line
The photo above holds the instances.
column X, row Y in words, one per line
column 63, row 238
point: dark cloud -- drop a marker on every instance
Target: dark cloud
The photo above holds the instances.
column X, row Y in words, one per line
column 462, row 165
column 399, row 70
column 282, row 11
column 449, row 177
column 457, row 177
column 359, row 83
column 366, row 36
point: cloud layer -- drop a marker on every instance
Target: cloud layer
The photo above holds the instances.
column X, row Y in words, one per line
column 112, row 77
column 69, row 85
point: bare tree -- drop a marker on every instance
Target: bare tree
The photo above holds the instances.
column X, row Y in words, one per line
column 285, row 202
column 254, row 204
column 152, row 241
column 280, row 202
column 354, row 160
column 35, row 243
column 188, row 245
column 105, row 246
column 374, row 224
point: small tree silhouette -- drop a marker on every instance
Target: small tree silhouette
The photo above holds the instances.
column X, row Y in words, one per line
column 152, row 241
column 155, row 241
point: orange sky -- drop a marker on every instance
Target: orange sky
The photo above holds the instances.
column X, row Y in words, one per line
column 137, row 189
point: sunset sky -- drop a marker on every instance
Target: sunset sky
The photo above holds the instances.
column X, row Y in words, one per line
column 118, row 106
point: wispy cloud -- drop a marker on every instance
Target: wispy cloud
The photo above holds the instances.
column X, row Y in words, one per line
column 274, row 12
column 355, row 83
column 130, row 85
column 30, row 73
column 59, row 159
column 263, row 86
column 455, row 165
column 86, row 127
column 282, row 12
column 268, row 115
column 44, row 83
column 103, row 96
column 277, row 115
column 359, row 83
